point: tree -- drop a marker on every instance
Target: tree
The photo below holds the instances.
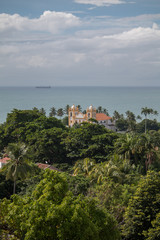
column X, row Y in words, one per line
column 3, row 138
column 65, row 120
column 130, row 116
column 60, row 112
column 154, row 231
column 148, row 146
column 131, row 119
column 97, row 173
column 66, row 109
column 99, row 109
column 16, row 120
column 127, row 146
column 84, row 166
column 52, row 212
column 18, row 166
column 143, row 207
column 122, row 124
column 79, row 108
column 105, row 111
column 139, row 117
column 117, row 115
column 151, row 125
column 35, row 109
column 45, row 146
column 6, row 187
column 42, row 110
column 147, row 111
column 89, row 140
column 52, row 112
column 93, row 120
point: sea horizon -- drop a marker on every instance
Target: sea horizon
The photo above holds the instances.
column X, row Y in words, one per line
column 67, row 86
column 119, row 98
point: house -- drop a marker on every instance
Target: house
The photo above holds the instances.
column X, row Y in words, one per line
column 47, row 166
column 4, row 161
column 75, row 116
column 105, row 120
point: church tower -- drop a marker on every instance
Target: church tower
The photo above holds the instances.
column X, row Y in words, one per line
column 91, row 113
column 72, row 113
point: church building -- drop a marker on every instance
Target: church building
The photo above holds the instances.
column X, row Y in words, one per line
column 75, row 116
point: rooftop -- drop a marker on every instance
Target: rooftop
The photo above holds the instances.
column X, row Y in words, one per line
column 102, row 117
column 45, row 166
column 4, row 160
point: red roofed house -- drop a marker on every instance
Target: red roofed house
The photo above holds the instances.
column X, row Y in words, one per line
column 4, row 161
column 47, row 166
column 75, row 116
column 105, row 120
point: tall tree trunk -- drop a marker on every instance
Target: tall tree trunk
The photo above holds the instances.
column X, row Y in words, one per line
column 145, row 124
column 14, row 187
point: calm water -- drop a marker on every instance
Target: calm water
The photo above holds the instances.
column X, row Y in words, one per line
column 112, row 98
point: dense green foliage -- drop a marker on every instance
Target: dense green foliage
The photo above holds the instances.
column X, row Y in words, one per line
column 89, row 140
column 6, row 187
column 143, row 208
column 52, row 212
column 108, row 187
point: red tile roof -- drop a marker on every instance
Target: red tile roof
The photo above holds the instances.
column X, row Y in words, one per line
column 102, row 117
column 4, row 160
column 45, row 166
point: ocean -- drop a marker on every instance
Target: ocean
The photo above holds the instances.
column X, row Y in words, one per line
column 111, row 98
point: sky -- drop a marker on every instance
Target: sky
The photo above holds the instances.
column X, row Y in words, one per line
column 80, row 43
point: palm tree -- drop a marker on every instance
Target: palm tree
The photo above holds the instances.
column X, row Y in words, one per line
column 130, row 116
column 60, row 112
column 66, row 109
column 138, row 117
column 148, row 146
column 79, row 108
column 84, row 166
column 105, row 111
column 112, row 171
column 127, row 146
column 147, row 111
column 117, row 115
column 52, row 112
column 131, row 119
column 42, row 110
column 97, row 173
column 99, row 109
column 18, row 166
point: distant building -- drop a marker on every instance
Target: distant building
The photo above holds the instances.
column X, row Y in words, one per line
column 105, row 120
column 75, row 116
column 4, row 161
column 47, row 166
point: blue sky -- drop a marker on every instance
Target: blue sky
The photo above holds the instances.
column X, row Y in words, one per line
column 80, row 42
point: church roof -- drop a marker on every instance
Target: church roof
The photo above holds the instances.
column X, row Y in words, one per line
column 102, row 117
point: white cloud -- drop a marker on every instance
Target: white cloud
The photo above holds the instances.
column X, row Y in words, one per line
column 100, row 3
column 73, row 50
column 52, row 22
column 155, row 26
column 112, row 53
column 138, row 35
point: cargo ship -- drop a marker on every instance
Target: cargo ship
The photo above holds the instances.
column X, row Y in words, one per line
column 43, row 87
